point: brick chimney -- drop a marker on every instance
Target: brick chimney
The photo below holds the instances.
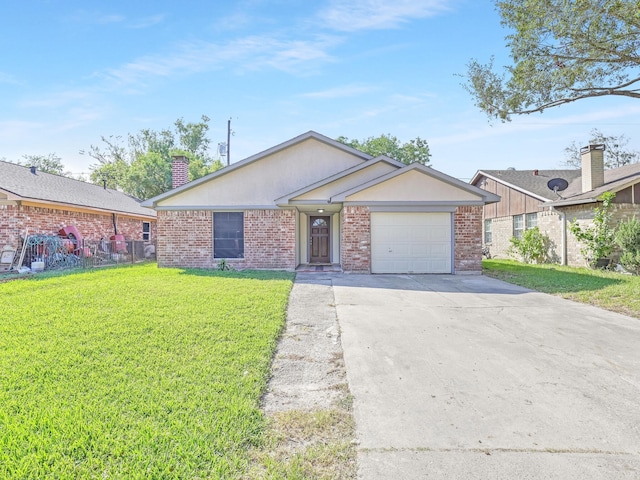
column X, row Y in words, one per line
column 179, row 171
column 592, row 167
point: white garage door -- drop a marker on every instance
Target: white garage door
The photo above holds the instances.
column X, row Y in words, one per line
column 410, row 242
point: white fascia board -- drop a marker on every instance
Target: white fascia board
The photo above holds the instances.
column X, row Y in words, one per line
column 510, row 185
column 228, row 208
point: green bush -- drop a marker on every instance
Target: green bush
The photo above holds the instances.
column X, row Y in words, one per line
column 598, row 238
column 533, row 247
column 628, row 238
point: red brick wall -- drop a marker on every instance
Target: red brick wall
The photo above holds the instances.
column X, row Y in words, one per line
column 185, row 239
column 355, row 239
column 270, row 239
column 15, row 220
column 468, row 239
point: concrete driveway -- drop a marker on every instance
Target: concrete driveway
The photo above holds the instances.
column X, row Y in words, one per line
column 467, row 377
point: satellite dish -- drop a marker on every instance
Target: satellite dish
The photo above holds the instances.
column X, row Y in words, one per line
column 557, row 184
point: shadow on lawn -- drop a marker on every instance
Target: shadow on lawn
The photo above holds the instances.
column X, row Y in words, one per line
column 549, row 279
column 239, row 274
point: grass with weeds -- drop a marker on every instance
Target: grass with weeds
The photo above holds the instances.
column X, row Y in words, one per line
column 136, row 372
column 605, row 289
column 304, row 445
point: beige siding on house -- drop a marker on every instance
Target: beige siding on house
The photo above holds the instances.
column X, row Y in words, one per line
column 263, row 181
column 412, row 186
column 348, row 182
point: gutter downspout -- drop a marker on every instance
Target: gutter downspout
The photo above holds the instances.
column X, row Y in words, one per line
column 563, row 243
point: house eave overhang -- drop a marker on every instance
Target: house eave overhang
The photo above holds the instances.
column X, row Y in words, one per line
column 446, row 203
column 569, row 203
column 220, row 208
column 37, row 202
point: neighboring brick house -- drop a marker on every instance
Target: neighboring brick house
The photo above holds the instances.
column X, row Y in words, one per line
column 527, row 201
column 34, row 202
column 314, row 202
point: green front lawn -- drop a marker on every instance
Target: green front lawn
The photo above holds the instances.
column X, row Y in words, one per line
column 609, row 290
column 136, row 372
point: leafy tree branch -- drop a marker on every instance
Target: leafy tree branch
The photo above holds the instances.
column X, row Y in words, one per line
column 562, row 51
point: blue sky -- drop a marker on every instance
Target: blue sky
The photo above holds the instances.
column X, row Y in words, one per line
column 74, row 71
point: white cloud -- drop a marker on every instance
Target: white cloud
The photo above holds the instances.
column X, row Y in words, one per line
column 8, row 79
column 340, row 92
column 249, row 53
column 56, row 99
column 148, row 21
column 15, row 129
column 352, row 15
column 96, row 18
column 535, row 124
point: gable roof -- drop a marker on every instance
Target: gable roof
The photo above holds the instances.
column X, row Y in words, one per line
column 527, row 182
column 615, row 180
column 486, row 197
column 19, row 184
column 379, row 159
column 152, row 202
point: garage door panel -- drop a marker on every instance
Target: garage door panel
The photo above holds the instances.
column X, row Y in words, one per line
column 410, row 242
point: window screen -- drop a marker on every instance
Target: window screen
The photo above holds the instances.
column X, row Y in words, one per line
column 228, row 235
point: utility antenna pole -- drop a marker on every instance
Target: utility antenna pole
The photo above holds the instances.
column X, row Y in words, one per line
column 228, row 142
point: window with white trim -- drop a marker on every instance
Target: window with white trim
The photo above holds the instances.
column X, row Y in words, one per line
column 518, row 226
column 487, row 231
column 531, row 221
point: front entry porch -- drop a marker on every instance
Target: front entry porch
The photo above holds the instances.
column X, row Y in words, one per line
column 314, row 267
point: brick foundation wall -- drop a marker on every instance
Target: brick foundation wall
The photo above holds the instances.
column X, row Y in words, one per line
column 355, row 239
column 185, row 239
column 15, row 220
column 468, row 239
column 269, row 239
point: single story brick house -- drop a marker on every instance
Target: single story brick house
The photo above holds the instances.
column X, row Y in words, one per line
column 34, row 202
column 314, row 201
column 527, row 202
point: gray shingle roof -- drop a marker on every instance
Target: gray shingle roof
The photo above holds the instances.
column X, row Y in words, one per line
column 526, row 181
column 615, row 180
column 18, row 180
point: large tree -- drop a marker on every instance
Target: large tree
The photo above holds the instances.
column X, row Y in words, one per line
column 562, row 51
column 141, row 165
column 416, row 150
column 616, row 153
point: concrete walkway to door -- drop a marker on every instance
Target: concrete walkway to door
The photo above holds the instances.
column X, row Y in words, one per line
column 467, row 377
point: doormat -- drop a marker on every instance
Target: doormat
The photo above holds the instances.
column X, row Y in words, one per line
column 319, row 268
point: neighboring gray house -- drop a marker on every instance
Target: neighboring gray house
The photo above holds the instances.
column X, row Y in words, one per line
column 527, row 201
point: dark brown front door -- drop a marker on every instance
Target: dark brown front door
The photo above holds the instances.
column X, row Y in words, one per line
column 319, row 240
